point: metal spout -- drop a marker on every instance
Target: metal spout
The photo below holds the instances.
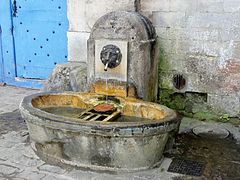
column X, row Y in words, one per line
column 106, row 66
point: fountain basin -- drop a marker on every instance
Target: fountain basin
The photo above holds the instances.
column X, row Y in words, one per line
column 134, row 141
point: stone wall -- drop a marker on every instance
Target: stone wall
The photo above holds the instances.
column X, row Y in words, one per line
column 200, row 39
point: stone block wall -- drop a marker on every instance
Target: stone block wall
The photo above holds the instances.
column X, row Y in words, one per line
column 82, row 14
column 199, row 39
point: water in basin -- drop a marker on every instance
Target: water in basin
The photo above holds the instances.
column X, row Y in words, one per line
column 74, row 113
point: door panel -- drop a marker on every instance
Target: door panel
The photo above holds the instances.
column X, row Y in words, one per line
column 40, row 36
column 1, row 57
column 7, row 44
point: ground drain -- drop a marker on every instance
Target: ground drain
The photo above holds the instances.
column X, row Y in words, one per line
column 187, row 167
column 211, row 131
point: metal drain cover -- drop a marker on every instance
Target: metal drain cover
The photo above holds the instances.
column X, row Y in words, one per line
column 211, row 131
column 186, row 167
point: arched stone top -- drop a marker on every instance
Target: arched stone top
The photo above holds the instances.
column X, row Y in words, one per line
column 123, row 25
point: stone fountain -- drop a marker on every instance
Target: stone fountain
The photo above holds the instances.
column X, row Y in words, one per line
column 113, row 126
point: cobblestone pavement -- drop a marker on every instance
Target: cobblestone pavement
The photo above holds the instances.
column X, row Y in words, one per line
column 19, row 162
column 10, row 97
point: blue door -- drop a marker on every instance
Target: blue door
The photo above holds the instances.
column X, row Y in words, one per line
column 40, row 36
column 33, row 40
column 1, row 57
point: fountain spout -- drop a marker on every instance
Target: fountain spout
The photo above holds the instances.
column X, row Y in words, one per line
column 106, row 66
column 111, row 56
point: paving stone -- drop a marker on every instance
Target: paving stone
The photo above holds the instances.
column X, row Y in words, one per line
column 7, row 92
column 25, row 150
column 51, row 169
column 76, row 174
column 144, row 175
column 19, row 154
column 6, row 169
column 26, row 161
column 55, row 177
column 19, row 162
column 30, row 175
column 11, row 121
column 140, row 178
column 5, row 153
column 3, row 178
column 125, row 176
column 11, row 139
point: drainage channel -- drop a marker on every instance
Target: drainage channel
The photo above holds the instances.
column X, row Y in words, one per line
column 186, row 167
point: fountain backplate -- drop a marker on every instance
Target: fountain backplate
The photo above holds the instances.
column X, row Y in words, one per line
column 122, row 49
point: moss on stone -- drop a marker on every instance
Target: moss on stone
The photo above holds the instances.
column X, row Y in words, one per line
column 193, row 106
column 190, row 104
column 186, row 114
column 163, row 62
column 206, row 115
column 172, row 100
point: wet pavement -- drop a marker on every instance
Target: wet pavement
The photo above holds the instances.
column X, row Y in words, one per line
column 220, row 157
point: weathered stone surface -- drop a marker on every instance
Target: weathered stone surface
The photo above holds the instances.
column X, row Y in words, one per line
column 56, row 177
column 9, row 140
column 211, row 6
column 152, row 5
column 231, row 6
column 51, row 169
column 90, row 145
column 67, row 77
column 76, row 16
column 30, row 174
column 187, row 124
column 210, row 131
column 82, row 14
column 225, row 104
column 137, row 31
column 8, row 169
column 78, row 79
column 183, row 5
column 74, row 174
column 169, row 19
column 11, row 97
column 23, row 160
column 77, row 49
column 205, row 30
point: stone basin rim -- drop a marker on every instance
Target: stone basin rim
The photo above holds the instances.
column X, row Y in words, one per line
column 26, row 105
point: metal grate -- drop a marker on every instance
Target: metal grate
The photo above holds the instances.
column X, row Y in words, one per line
column 187, row 167
column 179, row 81
column 91, row 115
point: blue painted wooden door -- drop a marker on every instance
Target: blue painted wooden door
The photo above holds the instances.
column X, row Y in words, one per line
column 40, row 36
column 1, row 57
